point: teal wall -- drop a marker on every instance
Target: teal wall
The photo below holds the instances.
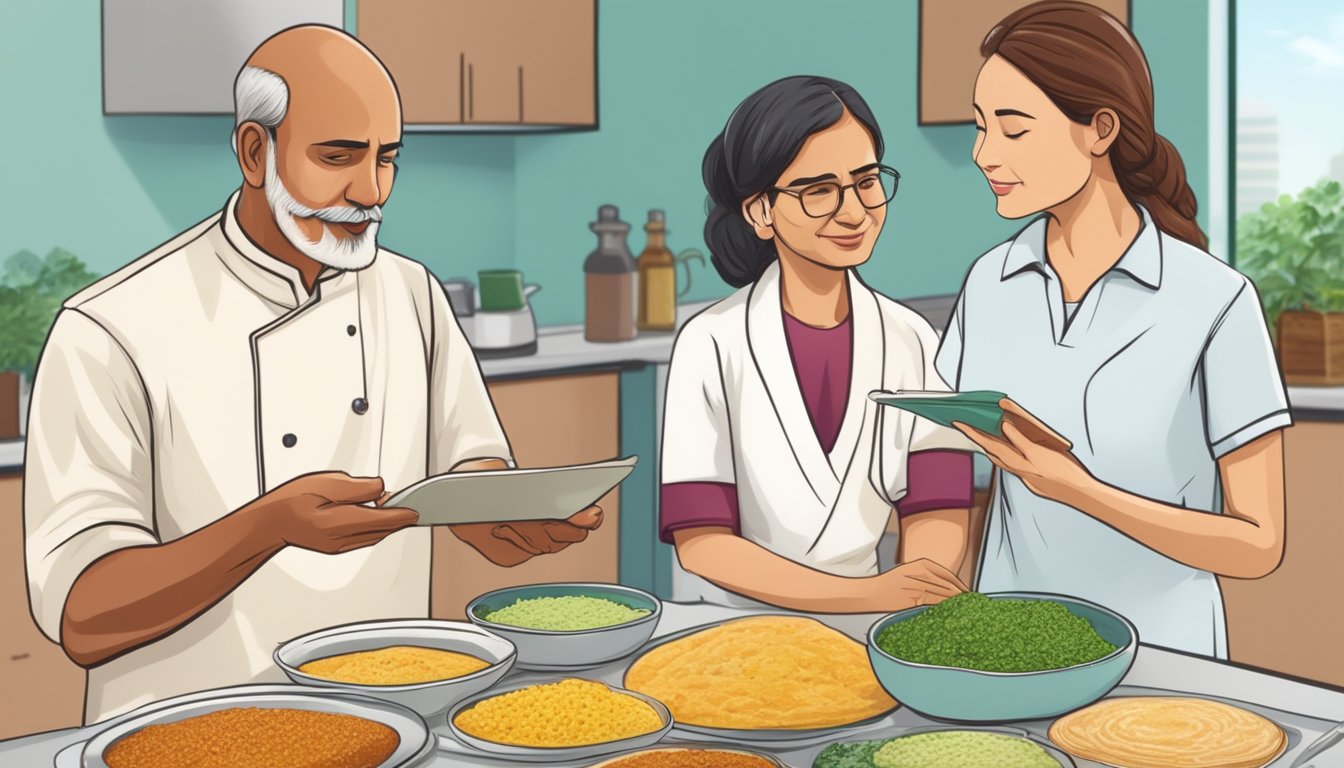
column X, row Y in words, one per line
column 109, row 188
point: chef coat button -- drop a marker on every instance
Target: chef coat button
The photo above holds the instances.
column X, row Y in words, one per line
column 350, row 329
column 289, row 440
column 360, row 406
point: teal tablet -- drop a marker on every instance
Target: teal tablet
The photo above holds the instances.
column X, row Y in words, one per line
column 979, row 409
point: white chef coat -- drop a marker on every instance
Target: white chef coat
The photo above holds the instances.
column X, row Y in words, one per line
column 734, row 413
column 202, row 376
column 1165, row 367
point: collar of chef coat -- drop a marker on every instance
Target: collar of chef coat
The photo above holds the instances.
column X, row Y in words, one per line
column 1142, row 261
column 268, row 276
column 825, row 473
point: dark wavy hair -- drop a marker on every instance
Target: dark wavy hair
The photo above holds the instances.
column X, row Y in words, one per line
column 761, row 138
column 1085, row 60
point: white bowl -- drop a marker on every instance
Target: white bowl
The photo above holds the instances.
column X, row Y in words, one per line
column 428, row 699
column 568, row 651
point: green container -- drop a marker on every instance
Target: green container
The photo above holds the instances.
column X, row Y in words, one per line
column 501, row 290
column 979, row 409
column 972, row 696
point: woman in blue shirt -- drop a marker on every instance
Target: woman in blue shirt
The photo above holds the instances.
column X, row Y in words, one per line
column 1149, row 359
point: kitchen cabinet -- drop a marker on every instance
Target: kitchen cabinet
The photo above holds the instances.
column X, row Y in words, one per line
column 550, row 421
column 1290, row 621
column 51, row 685
column 499, row 65
column 181, row 58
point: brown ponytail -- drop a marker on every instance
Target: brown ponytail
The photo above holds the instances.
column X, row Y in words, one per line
column 1085, row 60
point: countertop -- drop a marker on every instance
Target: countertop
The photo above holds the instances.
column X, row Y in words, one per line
column 1313, row 707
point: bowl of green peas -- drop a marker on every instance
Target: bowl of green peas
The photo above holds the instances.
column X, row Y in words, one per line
column 1001, row 657
column 570, row 626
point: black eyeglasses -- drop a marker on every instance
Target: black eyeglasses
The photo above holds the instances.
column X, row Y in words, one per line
column 874, row 189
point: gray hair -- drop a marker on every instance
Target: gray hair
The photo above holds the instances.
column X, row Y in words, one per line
column 259, row 96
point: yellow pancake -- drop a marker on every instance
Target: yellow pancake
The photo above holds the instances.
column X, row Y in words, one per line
column 766, row 672
column 1169, row 732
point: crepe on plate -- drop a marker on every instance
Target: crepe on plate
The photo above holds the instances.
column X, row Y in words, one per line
column 1169, row 732
column 764, row 672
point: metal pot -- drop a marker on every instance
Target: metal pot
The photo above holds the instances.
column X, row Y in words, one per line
column 461, row 296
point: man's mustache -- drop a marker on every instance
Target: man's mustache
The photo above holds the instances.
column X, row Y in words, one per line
column 339, row 214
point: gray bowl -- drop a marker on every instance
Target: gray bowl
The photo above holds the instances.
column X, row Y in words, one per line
column 557, row 651
column 965, row 695
column 522, row 754
column 414, row 739
column 428, row 699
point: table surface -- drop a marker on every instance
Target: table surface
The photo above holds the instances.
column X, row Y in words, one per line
column 1315, row 708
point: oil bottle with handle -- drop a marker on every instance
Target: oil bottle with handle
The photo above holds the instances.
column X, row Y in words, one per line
column 658, row 277
column 609, row 281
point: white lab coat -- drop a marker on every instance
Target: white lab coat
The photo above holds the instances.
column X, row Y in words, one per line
column 163, row 400
column 734, row 413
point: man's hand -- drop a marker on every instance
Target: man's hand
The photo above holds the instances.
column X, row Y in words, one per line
column 509, row 544
column 326, row 512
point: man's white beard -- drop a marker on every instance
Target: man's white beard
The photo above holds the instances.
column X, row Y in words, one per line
column 349, row 252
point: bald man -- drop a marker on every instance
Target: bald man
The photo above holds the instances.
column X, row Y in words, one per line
column 214, row 427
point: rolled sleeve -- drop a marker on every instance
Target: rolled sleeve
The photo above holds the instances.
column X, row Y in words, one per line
column 463, row 417
column 697, row 437
column 1244, row 395
column 88, row 471
column 937, row 480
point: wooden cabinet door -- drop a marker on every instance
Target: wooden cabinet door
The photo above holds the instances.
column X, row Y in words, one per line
column 550, row 421
column 531, row 62
column 1289, row 621
column 422, row 43
column 43, row 690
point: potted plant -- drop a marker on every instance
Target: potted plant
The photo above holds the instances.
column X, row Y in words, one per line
column 1294, row 251
column 32, row 290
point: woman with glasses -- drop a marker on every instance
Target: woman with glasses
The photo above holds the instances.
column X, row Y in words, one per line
column 1162, row 466
column 778, row 479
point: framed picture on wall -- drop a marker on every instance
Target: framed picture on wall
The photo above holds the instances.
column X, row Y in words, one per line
column 950, row 33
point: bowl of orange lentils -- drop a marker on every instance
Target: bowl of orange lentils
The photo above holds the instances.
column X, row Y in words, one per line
column 697, row 756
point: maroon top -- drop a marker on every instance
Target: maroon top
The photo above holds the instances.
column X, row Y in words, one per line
column 821, row 362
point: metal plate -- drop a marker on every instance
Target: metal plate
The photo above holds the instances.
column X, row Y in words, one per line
column 515, row 753
column 775, row 738
column 671, row 747
column 1050, row 749
column 414, row 740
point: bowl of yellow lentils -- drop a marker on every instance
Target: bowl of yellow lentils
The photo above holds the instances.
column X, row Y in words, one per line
column 569, row 719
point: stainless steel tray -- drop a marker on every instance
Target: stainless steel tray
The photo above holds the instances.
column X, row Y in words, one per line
column 415, row 741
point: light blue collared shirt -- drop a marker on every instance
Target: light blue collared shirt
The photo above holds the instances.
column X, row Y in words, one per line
column 1165, row 367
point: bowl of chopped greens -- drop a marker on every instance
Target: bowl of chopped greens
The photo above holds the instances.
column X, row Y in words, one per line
column 1001, row 657
column 562, row 627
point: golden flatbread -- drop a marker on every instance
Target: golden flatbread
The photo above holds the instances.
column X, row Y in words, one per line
column 764, row 672
column 1169, row 732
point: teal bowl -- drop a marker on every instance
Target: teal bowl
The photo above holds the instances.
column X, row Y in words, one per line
column 972, row 696
column 563, row 651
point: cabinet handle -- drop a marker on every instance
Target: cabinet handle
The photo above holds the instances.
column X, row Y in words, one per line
column 471, row 91
column 520, row 94
column 462, row 87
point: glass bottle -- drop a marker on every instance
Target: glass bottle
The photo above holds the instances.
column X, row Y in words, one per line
column 657, row 279
column 609, row 281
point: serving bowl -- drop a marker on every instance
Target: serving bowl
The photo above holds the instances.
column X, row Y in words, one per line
column 966, row 695
column 428, row 699
column 615, row 761
column 562, row 651
column 528, row 754
column 414, row 740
